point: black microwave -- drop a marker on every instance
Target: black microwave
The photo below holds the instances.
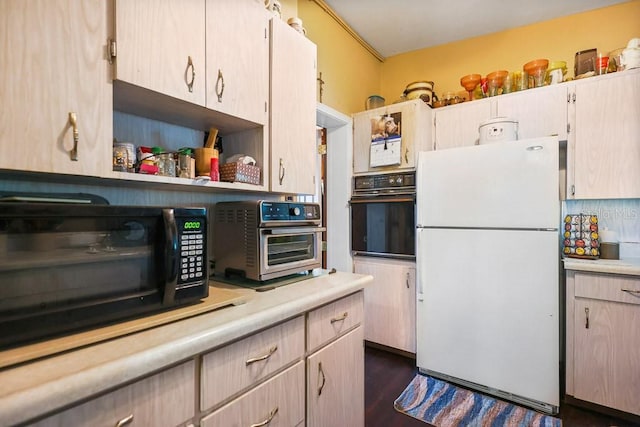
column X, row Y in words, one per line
column 68, row 267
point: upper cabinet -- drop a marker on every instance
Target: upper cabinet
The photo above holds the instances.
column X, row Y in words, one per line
column 160, row 45
column 55, row 87
column 293, row 111
column 237, row 64
column 605, row 142
column 457, row 125
column 539, row 112
column 389, row 138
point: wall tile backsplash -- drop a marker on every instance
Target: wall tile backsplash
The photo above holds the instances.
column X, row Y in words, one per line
column 621, row 216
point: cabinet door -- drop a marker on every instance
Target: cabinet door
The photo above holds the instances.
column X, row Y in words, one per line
column 390, row 302
column 457, row 126
column 161, row 46
column 607, row 354
column 52, row 54
column 607, row 137
column 413, row 122
column 164, row 399
column 293, row 110
column 539, row 112
column 278, row 402
column 335, row 378
column 237, row 58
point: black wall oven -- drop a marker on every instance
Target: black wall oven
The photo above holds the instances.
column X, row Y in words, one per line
column 66, row 267
column 383, row 215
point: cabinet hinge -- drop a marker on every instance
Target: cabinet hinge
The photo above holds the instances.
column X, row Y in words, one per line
column 324, row 246
column 112, row 50
column 265, row 107
column 322, row 149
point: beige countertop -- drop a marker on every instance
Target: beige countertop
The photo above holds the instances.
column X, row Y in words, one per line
column 628, row 266
column 42, row 386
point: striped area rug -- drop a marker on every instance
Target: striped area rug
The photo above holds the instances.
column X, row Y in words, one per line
column 445, row 405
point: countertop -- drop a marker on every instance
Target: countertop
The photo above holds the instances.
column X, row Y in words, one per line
column 42, row 386
column 628, row 266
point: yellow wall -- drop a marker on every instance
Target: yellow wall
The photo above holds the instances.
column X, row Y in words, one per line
column 557, row 39
column 349, row 71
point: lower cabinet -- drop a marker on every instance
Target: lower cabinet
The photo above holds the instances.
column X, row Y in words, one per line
column 389, row 302
column 335, row 393
column 335, row 364
column 313, row 362
column 277, row 402
column 164, row 399
column 603, row 348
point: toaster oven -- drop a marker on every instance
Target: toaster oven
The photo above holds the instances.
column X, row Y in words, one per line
column 263, row 240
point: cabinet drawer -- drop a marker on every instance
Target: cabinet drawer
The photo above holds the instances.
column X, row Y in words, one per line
column 164, row 399
column 332, row 320
column 277, row 402
column 608, row 287
column 235, row 367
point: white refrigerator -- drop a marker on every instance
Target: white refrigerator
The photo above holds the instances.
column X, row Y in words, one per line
column 487, row 266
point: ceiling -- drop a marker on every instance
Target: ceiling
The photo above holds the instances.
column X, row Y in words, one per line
column 399, row 26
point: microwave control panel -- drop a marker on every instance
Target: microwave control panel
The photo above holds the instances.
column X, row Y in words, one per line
column 192, row 237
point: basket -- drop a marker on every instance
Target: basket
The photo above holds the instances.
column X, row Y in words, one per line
column 240, row 172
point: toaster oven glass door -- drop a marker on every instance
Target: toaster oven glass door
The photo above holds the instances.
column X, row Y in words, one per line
column 290, row 250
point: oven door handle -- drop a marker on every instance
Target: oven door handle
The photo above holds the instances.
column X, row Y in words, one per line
column 382, row 199
column 294, row 230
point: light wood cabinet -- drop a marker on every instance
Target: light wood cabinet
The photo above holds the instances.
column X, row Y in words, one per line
column 236, row 367
column 161, row 46
column 164, row 399
column 279, row 401
column 335, row 378
column 389, row 302
column 293, row 111
column 457, row 125
column 53, row 60
column 604, row 149
column 413, row 121
column 237, row 58
column 603, row 350
column 539, row 112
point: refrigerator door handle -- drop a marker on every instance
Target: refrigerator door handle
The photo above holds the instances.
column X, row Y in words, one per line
column 419, row 286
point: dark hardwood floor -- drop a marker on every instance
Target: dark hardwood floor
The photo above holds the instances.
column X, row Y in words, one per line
column 387, row 374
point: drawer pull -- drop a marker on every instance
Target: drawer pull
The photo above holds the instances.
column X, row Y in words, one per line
column 586, row 315
column 125, row 421
column 324, row 379
column 193, row 74
column 73, row 121
column 263, row 357
column 631, row 291
column 272, row 414
column 340, row 318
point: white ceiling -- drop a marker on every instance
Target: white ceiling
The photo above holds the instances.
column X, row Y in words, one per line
column 392, row 27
